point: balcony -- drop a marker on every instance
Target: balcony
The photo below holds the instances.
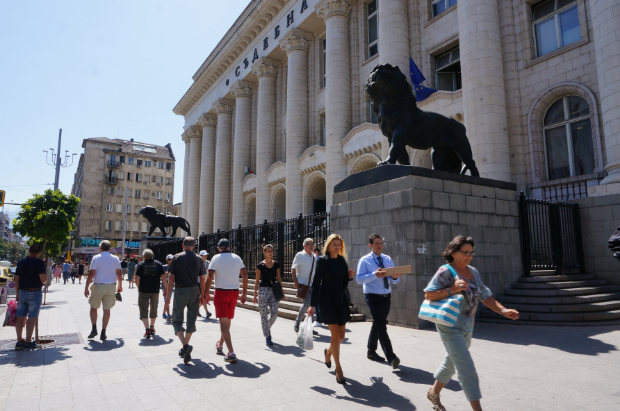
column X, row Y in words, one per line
column 114, row 164
column 110, row 180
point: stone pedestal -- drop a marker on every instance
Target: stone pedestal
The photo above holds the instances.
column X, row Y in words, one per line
column 418, row 211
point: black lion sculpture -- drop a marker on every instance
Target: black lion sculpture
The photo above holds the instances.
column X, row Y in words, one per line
column 404, row 124
column 161, row 221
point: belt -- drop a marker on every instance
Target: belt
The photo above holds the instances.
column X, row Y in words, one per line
column 184, row 286
column 380, row 295
column 227, row 289
column 31, row 290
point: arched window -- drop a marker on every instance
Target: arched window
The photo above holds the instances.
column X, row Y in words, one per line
column 568, row 138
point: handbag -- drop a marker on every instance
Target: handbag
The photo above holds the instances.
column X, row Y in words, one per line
column 443, row 312
column 277, row 289
column 302, row 291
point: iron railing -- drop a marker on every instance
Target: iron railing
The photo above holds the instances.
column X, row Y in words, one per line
column 550, row 236
column 566, row 191
column 286, row 237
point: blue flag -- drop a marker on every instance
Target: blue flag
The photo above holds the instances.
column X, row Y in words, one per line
column 417, row 78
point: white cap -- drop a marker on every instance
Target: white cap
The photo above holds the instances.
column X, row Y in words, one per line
column 204, row 252
column 169, row 257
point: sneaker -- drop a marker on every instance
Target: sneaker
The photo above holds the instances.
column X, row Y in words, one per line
column 187, row 350
column 152, row 330
column 268, row 341
column 230, row 358
column 147, row 334
column 219, row 349
column 103, row 337
column 209, row 315
column 181, row 353
column 164, row 316
column 93, row 334
column 30, row 346
column 19, row 345
column 317, row 324
column 395, row 362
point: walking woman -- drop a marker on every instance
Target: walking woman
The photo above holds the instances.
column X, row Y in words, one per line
column 131, row 267
column 267, row 273
column 331, row 279
column 57, row 272
column 453, row 278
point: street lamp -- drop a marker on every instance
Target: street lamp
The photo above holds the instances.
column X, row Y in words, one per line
column 57, row 161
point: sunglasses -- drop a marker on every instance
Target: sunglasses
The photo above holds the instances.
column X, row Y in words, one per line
column 471, row 254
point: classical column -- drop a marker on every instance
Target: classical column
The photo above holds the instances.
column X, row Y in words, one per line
column 338, row 88
column 243, row 128
column 221, row 191
column 296, row 44
column 207, row 173
column 606, row 27
column 266, row 70
column 484, row 96
column 185, row 137
column 193, row 180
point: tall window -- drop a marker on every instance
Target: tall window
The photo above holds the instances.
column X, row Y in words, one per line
column 146, row 194
column 160, row 164
column 117, row 225
column 323, row 139
column 374, row 118
column 324, row 65
column 136, row 226
column 108, row 225
column 109, row 207
column 568, row 138
column 139, row 163
column 110, row 191
column 136, row 209
column 139, row 178
column 556, row 24
column 168, row 181
column 147, row 179
column 448, row 71
column 147, row 163
column 144, row 228
column 120, row 192
column 159, row 195
column 373, row 27
column 129, row 160
column 439, row 6
column 129, row 177
column 129, row 192
column 168, row 166
column 119, row 208
column 167, row 199
column 128, row 209
column 121, row 175
column 137, row 194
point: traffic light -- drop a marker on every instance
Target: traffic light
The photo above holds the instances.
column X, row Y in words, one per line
column 2, row 195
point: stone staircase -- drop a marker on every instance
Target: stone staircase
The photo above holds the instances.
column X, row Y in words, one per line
column 289, row 307
column 545, row 298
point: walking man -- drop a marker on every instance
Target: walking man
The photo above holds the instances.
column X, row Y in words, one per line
column 104, row 273
column 148, row 279
column 30, row 277
column 205, row 255
column 65, row 272
column 186, row 270
column 302, row 270
column 377, row 287
column 225, row 268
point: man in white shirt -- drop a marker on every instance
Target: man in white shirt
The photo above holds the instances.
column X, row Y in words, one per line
column 226, row 267
column 302, row 270
column 104, row 273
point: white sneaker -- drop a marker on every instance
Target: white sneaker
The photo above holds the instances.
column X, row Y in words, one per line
column 317, row 324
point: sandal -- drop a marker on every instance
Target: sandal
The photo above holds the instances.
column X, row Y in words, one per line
column 328, row 364
column 434, row 398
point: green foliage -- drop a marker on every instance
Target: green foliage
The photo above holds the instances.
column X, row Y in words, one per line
column 15, row 251
column 48, row 219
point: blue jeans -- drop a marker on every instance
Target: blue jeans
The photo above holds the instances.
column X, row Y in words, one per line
column 457, row 344
column 29, row 303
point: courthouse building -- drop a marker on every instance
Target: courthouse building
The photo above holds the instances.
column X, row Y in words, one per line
column 277, row 114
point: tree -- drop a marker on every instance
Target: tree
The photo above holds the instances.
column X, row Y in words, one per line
column 14, row 251
column 48, row 218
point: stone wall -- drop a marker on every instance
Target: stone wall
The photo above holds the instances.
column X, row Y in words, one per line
column 418, row 216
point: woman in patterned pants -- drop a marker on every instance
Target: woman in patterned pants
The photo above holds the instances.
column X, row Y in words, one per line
column 267, row 273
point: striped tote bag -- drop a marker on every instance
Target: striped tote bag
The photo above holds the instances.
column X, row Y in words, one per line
column 444, row 312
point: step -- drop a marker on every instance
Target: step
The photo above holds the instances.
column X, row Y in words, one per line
column 568, row 271
column 563, row 317
column 505, row 320
column 558, row 284
column 562, row 291
column 566, row 308
column 579, row 299
column 552, row 278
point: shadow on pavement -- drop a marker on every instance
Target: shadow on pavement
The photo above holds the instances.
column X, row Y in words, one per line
column 377, row 395
column 415, row 376
column 201, row 369
column 34, row 358
column 107, row 345
column 155, row 341
column 286, row 350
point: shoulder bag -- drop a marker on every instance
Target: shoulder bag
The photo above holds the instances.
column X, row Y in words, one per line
column 302, row 291
column 276, row 287
column 443, row 312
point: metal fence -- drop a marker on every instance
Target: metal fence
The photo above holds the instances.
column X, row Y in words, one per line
column 286, row 237
column 550, row 236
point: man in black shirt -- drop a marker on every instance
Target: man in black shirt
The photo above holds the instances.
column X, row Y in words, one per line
column 185, row 271
column 148, row 277
column 124, row 267
column 30, row 277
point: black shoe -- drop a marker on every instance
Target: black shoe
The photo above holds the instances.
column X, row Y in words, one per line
column 395, row 362
column 181, row 353
column 187, row 350
column 209, row 315
column 147, row 334
column 315, row 332
column 373, row 356
column 328, row 364
column 199, row 315
column 103, row 337
column 93, row 334
column 342, row 381
column 296, row 328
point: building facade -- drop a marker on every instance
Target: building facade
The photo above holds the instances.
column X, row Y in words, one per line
column 277, row 114
column 111, row 171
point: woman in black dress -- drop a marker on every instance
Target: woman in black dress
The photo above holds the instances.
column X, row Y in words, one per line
column 328, row 294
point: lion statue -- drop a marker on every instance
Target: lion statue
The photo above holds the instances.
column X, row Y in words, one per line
column 161, row 221
column 404, row 124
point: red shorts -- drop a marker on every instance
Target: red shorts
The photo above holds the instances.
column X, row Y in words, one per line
column 225, row 302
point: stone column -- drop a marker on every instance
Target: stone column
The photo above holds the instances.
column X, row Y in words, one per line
column 296, row 44
column 193, row 181
column 606, row 27
column 207, row 173
column 243, row 128
column 484, row 96
column 185, row 175
column 338, row 89
column 221, row 191
column 266, row 70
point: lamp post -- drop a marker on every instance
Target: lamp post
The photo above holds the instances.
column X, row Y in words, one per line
column 57, row 161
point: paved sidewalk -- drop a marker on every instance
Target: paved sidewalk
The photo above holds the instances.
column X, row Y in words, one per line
column 520, row 368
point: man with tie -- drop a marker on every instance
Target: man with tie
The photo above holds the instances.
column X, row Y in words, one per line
column 377, row 288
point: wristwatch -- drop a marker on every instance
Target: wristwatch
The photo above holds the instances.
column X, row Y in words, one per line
column 504, row 310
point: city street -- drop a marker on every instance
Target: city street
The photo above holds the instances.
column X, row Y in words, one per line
column 521, row 368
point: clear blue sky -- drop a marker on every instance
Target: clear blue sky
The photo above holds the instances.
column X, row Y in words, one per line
column 96, row 69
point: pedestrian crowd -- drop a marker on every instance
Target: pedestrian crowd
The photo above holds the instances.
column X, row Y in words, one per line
column 321, row 280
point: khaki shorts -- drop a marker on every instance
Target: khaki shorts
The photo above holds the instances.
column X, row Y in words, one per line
column 144, row 301
column 102, row 293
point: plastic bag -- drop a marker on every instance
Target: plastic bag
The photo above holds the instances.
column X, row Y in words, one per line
column 11, row 314
column 304, row 337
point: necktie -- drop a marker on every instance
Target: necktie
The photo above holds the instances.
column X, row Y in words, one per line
column 386, row 283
